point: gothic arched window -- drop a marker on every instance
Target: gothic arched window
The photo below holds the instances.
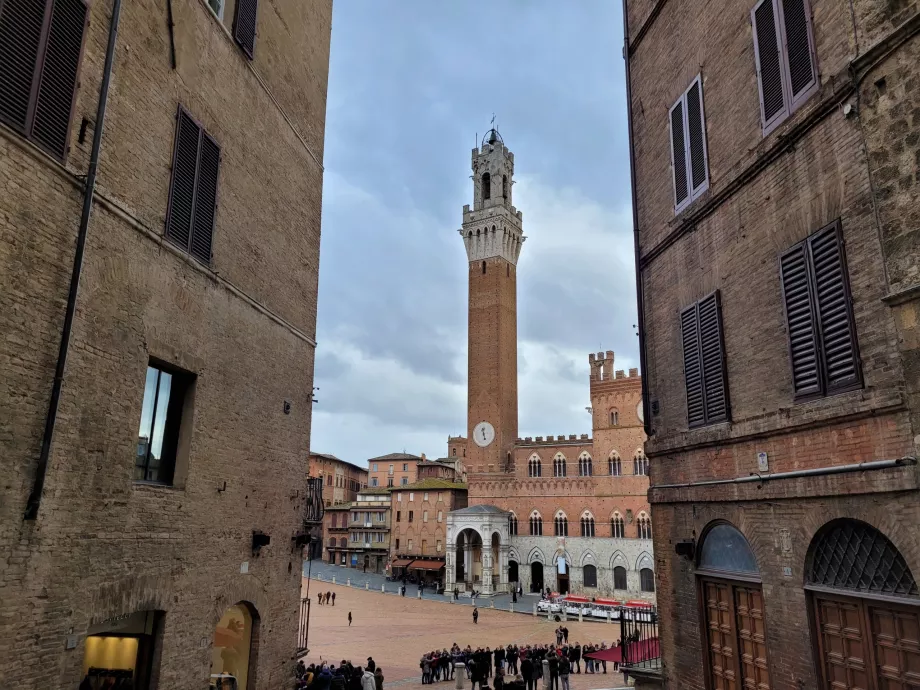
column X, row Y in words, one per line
column 617, row 526
column 614, row 417
column 534, row 466
column 486, row 186
column 619, row 577
column 647, row 580
column 513, row 525
column 640, row 464
column 644, row 526
column 589, row 576
column 561, row 524
column 559, row 465
column 587, row 524
column 585, row 465
column 614, row 465
column 536, row 524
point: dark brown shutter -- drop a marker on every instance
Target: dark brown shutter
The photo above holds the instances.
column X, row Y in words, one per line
column 798, row 47
column 58, row 81
column 713, row 359
column 800, row 321
column 244, row 25
column 767, row 47
column 205, row 199
column 21, row 24
column 693, row 371
column 834, row 310
column 182, row 190
column 678, row 152
column 695, row 127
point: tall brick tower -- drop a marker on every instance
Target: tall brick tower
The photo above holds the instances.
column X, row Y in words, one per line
column 493, row 237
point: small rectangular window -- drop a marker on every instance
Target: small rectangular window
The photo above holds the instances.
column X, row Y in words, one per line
column 704, row 362
column 244, row 25
column 819, row 316
column 404, row 481
column 425, row 516
column 405, row 467
column 689, row 158
column 164, row 406
column 373, row 481
column 399, row 498
column 440, row 515
column 411, row 515
column 390, row 482
column 192, row 202
column 397, row 544
column 410, row 546
column 411, row 495
column 425, row 496
column 41, row 43
column 784, row 55
column 439, row 545
column 375, row 467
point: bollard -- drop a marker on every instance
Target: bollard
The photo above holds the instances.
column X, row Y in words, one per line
column 420, row 594
column 460, row 675
column 534, row 610
column 367, row 586
column 333, row 579
column 565, row 614
column 491, row 604
column 383, row 589
column 348, row 582
column 545, row 674
column 580, row 618
column 511, row 607
column 609, row 619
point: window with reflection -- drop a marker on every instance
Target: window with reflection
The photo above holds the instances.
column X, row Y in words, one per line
column 231, row 655
column 165, row 391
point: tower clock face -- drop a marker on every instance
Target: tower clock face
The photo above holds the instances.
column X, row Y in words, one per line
column 483, row 434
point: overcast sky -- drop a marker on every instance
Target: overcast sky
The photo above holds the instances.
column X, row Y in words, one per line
column 411, row 83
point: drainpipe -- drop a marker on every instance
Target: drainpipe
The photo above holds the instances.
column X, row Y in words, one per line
column 640, row 300
column 89, row 189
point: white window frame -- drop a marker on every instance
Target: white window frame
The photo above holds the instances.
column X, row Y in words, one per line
column 692, row 193
column 218, row 13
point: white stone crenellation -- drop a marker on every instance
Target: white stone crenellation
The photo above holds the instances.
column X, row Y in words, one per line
column 493, row 242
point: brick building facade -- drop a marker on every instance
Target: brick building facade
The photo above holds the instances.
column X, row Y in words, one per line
column 566, row 512
column 165, row 554
column 392, row 469
column 342, row 480
column 776, row 204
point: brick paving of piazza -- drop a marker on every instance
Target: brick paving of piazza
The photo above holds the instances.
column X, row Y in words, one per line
column 396, row 631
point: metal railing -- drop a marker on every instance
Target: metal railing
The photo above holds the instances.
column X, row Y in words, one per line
column 639, row 641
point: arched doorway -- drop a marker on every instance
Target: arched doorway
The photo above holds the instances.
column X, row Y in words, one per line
column 513, row 571
column 469, row 559
column 733, row 613
column 536, row 577
column 864, row 599
column 233, row 656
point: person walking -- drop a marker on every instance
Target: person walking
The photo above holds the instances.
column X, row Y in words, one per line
column 333, row 598
column 378, row 678
column 349, row 624
column 565, row 635
column 475, row 615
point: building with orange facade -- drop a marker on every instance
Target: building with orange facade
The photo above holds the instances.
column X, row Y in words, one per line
column 566, row 512
column 393, row 469
column 342, row 480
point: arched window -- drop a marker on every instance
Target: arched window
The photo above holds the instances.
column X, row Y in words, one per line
column 647, row 580
column 640, row 463
column 504, row 186
column 332, row 542
column 559, row 465
column 453, row 452
column 236, row 644
column 343, row 542
column 585, row 468
column 486, row 186
column 644, row 526
column 614, row 417
column 335, row 520
column 589, row 575
column 614, row 465
column 617, row 526
column 534, row 466
column 536, row 524
column 587, row 524
column 561, row 524
column 513, row 525
column 732, row 599
column 619, row 577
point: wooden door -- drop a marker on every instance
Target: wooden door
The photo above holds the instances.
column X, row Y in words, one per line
column 751, row 638
column 842, row 644
column 896, row 642
column 720, row 625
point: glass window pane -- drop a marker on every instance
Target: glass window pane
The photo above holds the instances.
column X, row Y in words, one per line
column 150, row 387
column 725, row 548
column 159, row 423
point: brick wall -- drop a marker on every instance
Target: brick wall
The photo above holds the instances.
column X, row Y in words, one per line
column 103, row 546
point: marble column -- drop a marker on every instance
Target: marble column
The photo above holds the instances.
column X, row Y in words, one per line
column 503, row 552
column 487, row 571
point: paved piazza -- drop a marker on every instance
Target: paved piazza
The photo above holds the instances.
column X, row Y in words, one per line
column 396, row 631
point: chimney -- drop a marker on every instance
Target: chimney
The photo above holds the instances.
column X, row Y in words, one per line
column 608, row 365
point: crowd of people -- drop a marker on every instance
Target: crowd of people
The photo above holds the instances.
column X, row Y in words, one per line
column 345, row 676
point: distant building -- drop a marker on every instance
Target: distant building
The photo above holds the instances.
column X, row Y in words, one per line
column 357, row 534
column 342, row 480
column 394, row 469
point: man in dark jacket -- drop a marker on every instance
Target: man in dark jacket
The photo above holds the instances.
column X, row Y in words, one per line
column 528, row 673
column 554, row 672
column 338, row 679
column 371, row 664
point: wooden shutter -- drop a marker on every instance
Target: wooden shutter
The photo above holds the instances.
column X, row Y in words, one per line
column 769, row 62
column 834, row 310
column 697, row 137
column 800, row 321
column 693, row 370
column 712, row 356
column 244, row 25
column 21, row 29
column 182, row 190
column 678, row 154
column 58, row 81
column 205, row 199
column 797, row 38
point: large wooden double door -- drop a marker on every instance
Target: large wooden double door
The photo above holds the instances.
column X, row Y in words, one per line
column 736, row 636
column 866, row 644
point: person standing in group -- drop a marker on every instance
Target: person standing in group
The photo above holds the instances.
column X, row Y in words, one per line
column 378, row 678
column 349, row 624
column 367, row 680
column 565, row 668
column 553, row 671
column 528, row 673
column 475, row 615
column 565, row 634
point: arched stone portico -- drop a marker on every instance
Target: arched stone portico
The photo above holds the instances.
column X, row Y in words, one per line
column 477, row 550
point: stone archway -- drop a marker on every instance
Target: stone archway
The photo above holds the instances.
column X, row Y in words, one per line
column 468, row 557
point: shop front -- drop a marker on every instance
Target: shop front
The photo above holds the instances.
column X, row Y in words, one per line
column 428, row 572
column 119, row 651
